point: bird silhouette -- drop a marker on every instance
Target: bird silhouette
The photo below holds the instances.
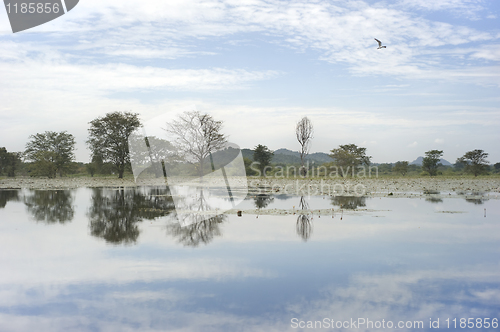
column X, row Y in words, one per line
column 379, row 44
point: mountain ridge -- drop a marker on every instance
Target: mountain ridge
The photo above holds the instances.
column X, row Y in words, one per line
column 286, row 156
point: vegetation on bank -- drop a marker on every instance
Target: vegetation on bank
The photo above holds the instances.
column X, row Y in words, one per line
column 198, row 146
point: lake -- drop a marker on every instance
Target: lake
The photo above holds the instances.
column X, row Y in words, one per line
column 110, row 259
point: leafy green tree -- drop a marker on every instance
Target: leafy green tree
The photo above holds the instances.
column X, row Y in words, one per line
column 475, row 162
column 91, row 168
column 385, row 168
column 248, row 169
column 9, row 162
column 50, row 153
column 97, row 163
column 496, row 167
column 3, row 160
column 458, row 165
column 108, row 138
column 160, row 155
column 349, row 156
column 401, row 167
column 431, row 161
column 414, row 168
column 263, row 156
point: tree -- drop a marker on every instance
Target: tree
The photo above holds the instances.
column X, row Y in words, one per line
column 401, row 167
column 497, row 167
column 459, row 165
column 159, row 154
column 50, row 152
column 248, row 167
column 474, row 162
column 263, row 156
column 430, row 162
column 91, row 168
column 9, row 162
column 349, row 156
column 197, row 136
column 304, row 134
column 108, row 138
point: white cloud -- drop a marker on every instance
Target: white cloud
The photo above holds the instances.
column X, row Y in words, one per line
column 102, row 79
column 465, row 8
column 439, row 140
column 412, row 145
column 389, row 295
column 341, row 32
column 488, row 52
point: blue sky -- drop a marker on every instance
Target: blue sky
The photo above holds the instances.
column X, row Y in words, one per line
column 260, row 66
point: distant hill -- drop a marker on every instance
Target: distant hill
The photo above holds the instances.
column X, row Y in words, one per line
column 420, row 159
column 317, row 157
column 285, row 156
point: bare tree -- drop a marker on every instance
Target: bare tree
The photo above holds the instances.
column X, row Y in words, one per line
column 197, row 136
column 304, row 133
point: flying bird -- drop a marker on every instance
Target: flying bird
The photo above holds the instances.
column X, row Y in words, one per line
column 379, row 44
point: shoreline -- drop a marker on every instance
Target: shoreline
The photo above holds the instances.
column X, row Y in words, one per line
column 396, row 187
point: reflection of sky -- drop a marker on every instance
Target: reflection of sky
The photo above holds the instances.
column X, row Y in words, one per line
column 405, row 259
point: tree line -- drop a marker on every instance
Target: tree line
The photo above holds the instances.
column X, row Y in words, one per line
column 196, row 139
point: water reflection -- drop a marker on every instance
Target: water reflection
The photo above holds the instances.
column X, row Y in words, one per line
column 50, row 206
column 194, row 234
column 304, row 225
column 263, row 200
column 476, row 201
column 348, row 202
column 430, row 199
column 198, row 221
column 8, row 195
column 114, row 214
column 433, row 200
column 411, row 265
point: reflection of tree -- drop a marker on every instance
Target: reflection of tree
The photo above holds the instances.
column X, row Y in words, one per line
column 8, row 195
column 476, row 201
column 198, row 223
column 114, row 214
column 197, row 233
column 434, row 200
column 348, row 202
column 263, row 200
column 50, row 206
column 304, row 225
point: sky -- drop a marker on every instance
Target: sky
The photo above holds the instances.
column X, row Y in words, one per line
column 260, row 66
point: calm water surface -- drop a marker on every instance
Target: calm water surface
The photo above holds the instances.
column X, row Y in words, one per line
column 116, row 260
